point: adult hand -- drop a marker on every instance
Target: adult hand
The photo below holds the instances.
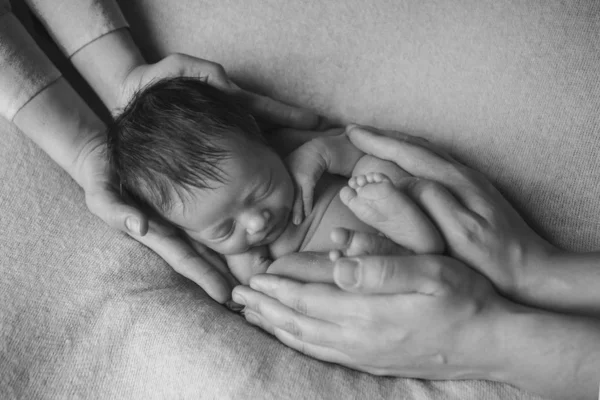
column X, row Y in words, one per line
column 188, row 258
column 185, row 65
column 436, row 319
column 480, row 227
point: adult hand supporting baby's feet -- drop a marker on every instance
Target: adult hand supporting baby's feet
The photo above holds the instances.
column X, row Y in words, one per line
column 430, row 316
column 479, row 226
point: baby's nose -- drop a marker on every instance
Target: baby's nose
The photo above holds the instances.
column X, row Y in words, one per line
column 258, row 222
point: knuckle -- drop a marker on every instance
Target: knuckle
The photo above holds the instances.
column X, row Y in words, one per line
column 471, row 229
column 300, row 306
column 293, row 329
column 434, row 279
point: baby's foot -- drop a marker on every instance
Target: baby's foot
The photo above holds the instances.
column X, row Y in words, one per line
column 376, row 202
column 354, row 243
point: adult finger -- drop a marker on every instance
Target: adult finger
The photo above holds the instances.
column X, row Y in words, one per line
column 389, row 274
column 115, row 212
column 309, row 298
column 451, row 217
column 408, row 152
column 467, row 185
column 304, row 267
column 181, row 256
column 354, row 243
column 282, row 114
column 278, row 112
column 405, row 137
column 278, row 315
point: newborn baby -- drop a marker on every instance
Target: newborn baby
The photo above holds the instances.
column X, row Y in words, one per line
column 195, row 157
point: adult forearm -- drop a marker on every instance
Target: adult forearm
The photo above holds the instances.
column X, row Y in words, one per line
column 94, row 34
column 554, row 355
column 567, row 282
column 61, row 124
column 39, row 101
column 106, row 62
column 24, row 68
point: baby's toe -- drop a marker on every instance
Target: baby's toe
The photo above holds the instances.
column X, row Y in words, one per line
column 377, row 177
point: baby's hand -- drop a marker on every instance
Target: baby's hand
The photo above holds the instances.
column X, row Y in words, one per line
column 306, row 165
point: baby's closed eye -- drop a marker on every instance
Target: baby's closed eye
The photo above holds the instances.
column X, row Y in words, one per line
column 223, row 231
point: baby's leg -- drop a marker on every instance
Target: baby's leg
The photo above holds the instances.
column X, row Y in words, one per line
column 375, row 201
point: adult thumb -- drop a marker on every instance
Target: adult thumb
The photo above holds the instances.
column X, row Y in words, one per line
column 381, row 275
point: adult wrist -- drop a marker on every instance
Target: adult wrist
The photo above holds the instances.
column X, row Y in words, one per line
column 551, row 354
column 533, row 275
column 487, row 342
column 106, row 64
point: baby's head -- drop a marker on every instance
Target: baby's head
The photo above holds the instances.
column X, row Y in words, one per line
column 193, row 155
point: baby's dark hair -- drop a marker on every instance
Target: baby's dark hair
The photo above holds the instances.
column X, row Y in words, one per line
column 169, row 138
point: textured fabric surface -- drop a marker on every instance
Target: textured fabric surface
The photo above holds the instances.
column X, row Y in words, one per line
column 511, row 88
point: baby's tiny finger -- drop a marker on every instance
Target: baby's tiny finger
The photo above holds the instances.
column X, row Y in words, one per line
column 297, row 211
column 307, row 199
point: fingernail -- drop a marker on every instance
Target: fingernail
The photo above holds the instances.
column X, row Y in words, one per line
column 297, row 220
column 238, row 299
column 234, row 306
column 133, row 225
column 349, row 127
column 347, row 272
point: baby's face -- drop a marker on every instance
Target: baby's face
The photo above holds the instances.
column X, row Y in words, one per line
column 252, row 208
